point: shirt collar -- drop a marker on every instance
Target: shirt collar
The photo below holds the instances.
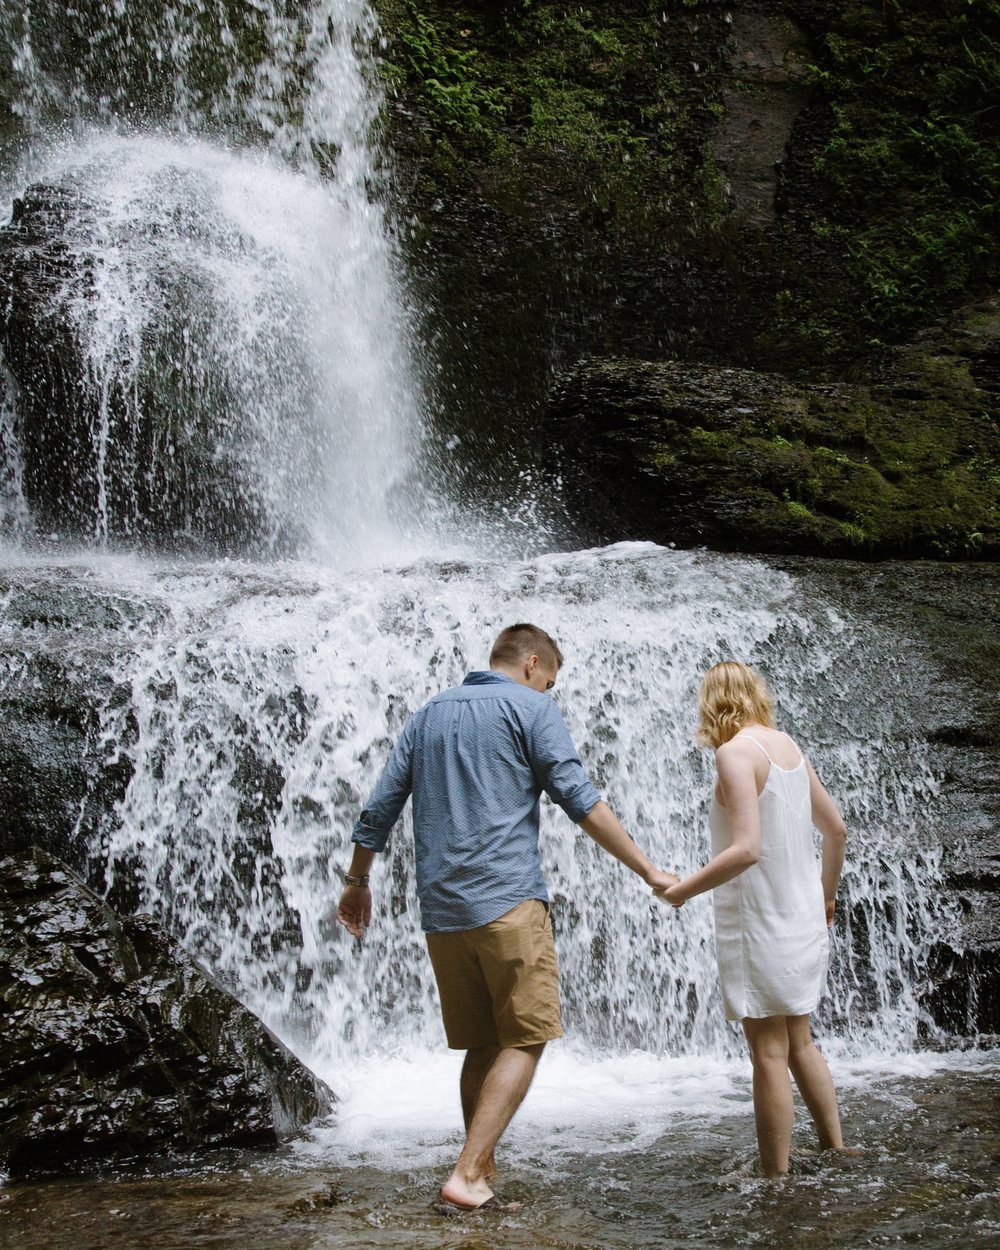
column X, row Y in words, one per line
column 484, row 677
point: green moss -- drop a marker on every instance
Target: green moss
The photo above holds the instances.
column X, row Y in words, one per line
column 578, row 101
column 853, row 534
column 910, row 172
column 466, row 110
column 837, row 470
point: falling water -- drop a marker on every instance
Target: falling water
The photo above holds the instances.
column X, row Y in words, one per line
column 247, row 369
column 251, row 390
column 263, row 703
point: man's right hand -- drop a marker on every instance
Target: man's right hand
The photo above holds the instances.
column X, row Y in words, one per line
column 354, row 911
column 658, row 881
column 669, row 896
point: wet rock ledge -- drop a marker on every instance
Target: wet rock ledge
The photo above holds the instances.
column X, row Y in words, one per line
column 117, row 1045
column 904, row 465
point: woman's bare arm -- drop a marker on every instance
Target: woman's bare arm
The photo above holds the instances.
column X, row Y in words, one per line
column 828, row 820
column 739, row 784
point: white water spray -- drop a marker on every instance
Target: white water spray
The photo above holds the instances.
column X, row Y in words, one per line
column 242, row 331
column 265, row 706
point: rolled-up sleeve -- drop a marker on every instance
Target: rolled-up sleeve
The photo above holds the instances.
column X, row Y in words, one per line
column 388, row 798
column 557, row 765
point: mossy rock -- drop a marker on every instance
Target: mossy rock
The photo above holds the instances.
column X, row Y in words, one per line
column 907, row 465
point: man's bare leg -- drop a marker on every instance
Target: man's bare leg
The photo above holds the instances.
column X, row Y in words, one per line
column 502, row 1091
column 477, row 1063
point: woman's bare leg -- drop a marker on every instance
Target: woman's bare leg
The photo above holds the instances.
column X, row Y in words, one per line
column 772, row 1091
column 815, row 1083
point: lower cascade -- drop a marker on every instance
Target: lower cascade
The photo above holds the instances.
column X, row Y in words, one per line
column 262, row 702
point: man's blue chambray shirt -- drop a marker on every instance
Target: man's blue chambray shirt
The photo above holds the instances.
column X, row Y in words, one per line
column 476, row 759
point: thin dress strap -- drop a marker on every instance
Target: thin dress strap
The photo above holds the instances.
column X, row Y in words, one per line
column 795, row 745
column 744, row 734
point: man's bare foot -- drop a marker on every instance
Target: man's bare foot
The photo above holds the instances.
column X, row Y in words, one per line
column 492, row 1205
column 469, row 1195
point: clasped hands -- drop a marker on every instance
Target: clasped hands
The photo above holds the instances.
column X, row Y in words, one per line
column 665, row 885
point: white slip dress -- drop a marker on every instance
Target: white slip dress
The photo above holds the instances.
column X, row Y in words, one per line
column 771, row 939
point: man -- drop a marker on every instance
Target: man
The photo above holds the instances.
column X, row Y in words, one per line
column 476, row 759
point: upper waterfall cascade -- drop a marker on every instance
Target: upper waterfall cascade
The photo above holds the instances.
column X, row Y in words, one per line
column 231, row 289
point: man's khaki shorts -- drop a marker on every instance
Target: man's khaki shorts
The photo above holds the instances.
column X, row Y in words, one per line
column 499, row 984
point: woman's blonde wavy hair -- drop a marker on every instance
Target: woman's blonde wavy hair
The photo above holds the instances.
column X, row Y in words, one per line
column 730, row 696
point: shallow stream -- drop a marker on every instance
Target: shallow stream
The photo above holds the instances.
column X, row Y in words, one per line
column 608, row 1152
column 638, row 1131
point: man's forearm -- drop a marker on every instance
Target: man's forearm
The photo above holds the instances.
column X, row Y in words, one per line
column 361, row 861
column 606, row 829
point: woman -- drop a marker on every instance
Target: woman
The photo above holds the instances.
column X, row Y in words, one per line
column 773, row 906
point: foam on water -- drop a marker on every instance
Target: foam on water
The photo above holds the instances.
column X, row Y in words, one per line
column 401, row 1110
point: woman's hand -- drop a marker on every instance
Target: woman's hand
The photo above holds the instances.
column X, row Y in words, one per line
column 661, row 880
column 672, row 894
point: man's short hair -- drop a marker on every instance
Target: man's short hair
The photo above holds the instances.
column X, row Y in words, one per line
column 517, row 642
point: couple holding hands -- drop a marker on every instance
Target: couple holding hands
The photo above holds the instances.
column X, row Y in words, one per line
column 476, row 759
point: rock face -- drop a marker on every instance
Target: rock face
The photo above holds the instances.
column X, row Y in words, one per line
column 749, row 461
column 117, row 1045
column 58, row 780
column 946, row 619
column 123, row 433
column 36, row 270
column 757, row 185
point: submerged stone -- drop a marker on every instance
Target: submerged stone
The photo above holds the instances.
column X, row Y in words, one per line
column 118, row 1045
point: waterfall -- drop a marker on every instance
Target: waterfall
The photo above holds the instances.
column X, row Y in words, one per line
column 262, row 704
column 250, row 390
column 246, row 364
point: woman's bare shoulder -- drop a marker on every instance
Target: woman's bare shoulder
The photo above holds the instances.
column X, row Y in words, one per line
column 736, row 748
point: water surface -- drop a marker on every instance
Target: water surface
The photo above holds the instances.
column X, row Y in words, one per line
column 611, row 1152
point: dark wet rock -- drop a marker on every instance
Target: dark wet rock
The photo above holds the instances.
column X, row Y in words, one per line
column 158, row 477
column 67, row 736
column 59, row 780
column 764, row 95
column 741, row 460
column 38, row 270
column 946, row 620
column 117, row 1045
